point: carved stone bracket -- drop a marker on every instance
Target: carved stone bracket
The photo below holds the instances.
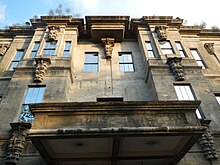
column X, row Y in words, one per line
column 210, row 48
column 3, row 49
column 176, row 67
column 52, row 33
column 108, row 44
column 17, row 142
column 161, row 32
column 41, row 69
column 207, row 143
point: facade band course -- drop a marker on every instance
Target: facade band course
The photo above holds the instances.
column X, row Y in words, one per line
column 109, row 90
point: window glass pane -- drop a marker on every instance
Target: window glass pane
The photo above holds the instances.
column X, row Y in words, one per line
column 125, row 58
column 91, row 58
column 18, row 55
column 195, row 54
column 218, row 98
column 200, row 63
column 150, row 53
column 178, row 45
column 148, row 45
column 167, row 51
column 33, row 54
column 182, row 54
column 29, row 96
column 66, row 54
column 13, row 65
column 67, row 45
column 36, row 46
column 165, row 44
column 90, row 68
column 40, row 95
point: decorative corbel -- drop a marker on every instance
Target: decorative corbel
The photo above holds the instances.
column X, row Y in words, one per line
column 206, row 141
column 3, row 49
column 176, row 67
column 108, row 44
column 210, row 48
column 52, row 33
column 41, row 69
column 161, row 32
column 16, row 142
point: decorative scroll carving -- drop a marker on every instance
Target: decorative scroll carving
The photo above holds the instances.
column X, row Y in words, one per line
column 176, row 67
column 108, row 43
column 41, row 69
column 161, row 32
column 17, row 142
column 3, row 49
column 207, row 143
column 52, row 33
column 210, row 48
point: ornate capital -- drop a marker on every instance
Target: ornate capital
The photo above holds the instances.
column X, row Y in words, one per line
column 3, row 49
column 41, row 69
column 209, row 48
column 176, row 67
column 52, row 33
column 108, row 44
column 161, row 32
column 17, row 142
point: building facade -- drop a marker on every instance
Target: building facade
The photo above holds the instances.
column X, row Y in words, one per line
column 109, row 90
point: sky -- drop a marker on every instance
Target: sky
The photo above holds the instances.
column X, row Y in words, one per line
column 194, row 11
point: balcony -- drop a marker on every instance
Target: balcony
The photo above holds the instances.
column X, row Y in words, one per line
column 115, row 133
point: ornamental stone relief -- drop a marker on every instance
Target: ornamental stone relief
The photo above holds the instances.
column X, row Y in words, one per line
column 209, row 48
column 52, row 33
column 17, row 142
column 3, row 49
column 41, row 69
column 108, row 44
column 161, row 32
column 176, row 67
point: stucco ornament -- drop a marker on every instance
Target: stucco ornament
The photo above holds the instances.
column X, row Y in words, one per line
column 210, row 48
column 176, row 67
column 161, row 32
column 108, row 44
column 3, row 49
column 41, row 69
column 52, row 33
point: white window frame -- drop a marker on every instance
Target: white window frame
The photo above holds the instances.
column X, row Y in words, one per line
column 50, row 48
column 18, row 56
column 196, row 55
column 66, row 50
column 35, row 49
column 150, row 49
column 91, row 62
column 126, row 63
column 185, row 92
column 166, row 47
column 180, row 49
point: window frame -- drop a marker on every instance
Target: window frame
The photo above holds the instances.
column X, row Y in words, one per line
column 164, row 49
column 199, row 60
column 65, row 50
column 94, row 65
column 128, row 64
column 189, row 95
column 26, row 115
column 181, row 49
column 150, row 50
column 49, row 48
column 14, row 63
column 34, row 51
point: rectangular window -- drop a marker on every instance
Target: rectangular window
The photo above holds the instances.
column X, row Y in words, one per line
column 33, row 95
column 166, row 47
column 66, row 51
column 150, row 50
column 126, row 62
column 50, row 48
column 217, row 96
column 35, row 49
column 19, row 54
column 91, row 62
column 197, row 57
column 184, row 92
column 180, row 49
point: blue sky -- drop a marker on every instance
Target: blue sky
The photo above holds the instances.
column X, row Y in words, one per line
column 194, row 11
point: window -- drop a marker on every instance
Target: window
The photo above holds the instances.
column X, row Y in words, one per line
column 184, row 92
column 16, row 59
column 197, row 57
column 126, row 62
column 34, row 95
column 66, row 51
column 180, row 49
column 35, row 49
column 166, row 47
column 49, row 48
column 150, row 50
column 91, row 62
column 217, row 96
